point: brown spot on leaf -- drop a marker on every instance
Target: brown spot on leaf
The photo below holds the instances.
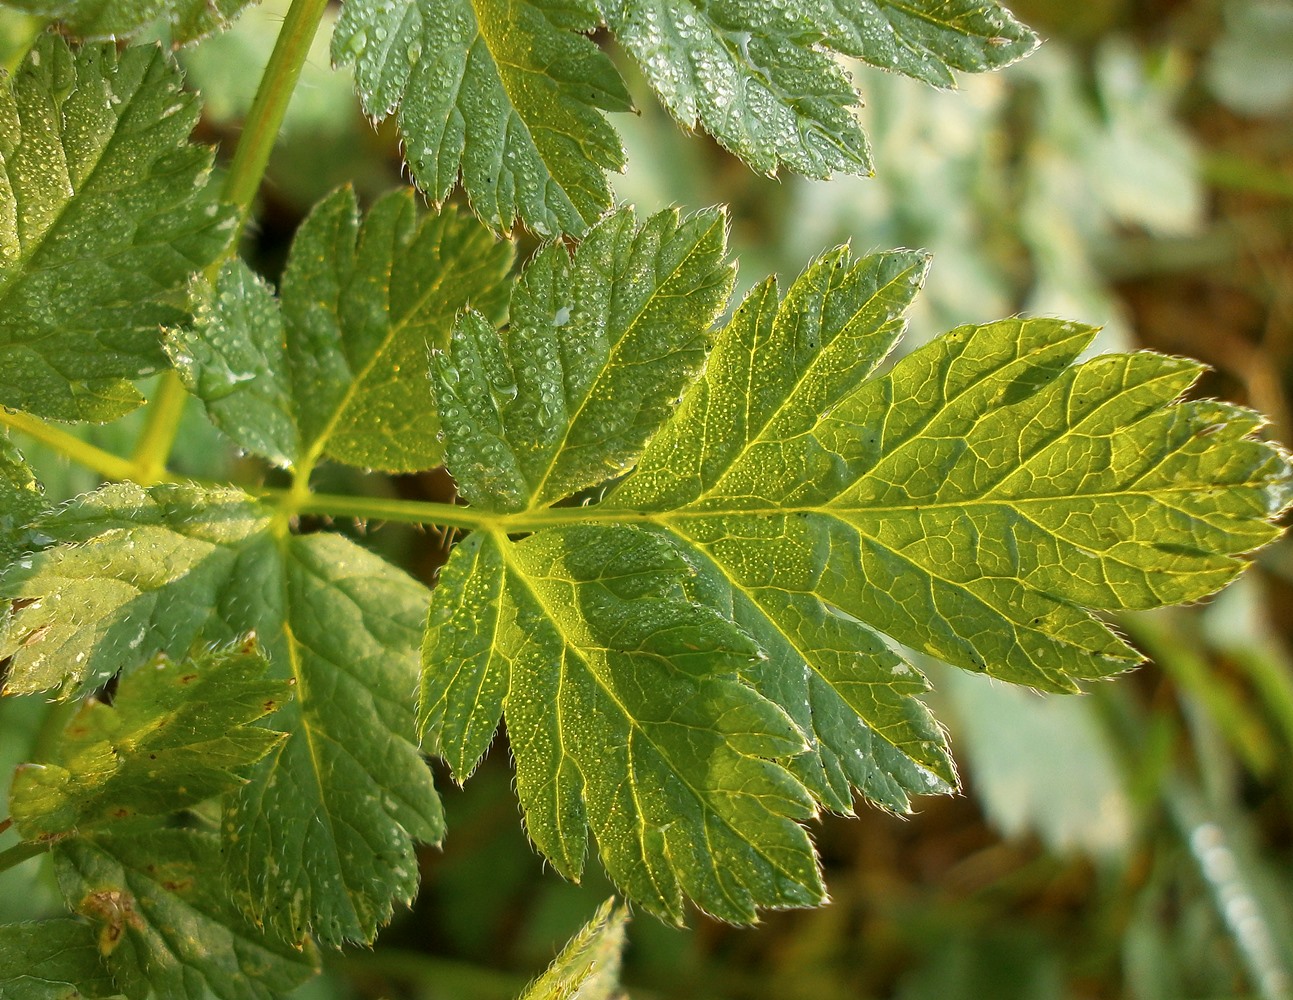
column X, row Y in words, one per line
column 115, row 909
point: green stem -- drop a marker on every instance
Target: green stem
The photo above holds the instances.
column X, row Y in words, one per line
column 19, row 853
column 105, row 463
column 157, row 439
column 247, row 169
column 270, row 104
column 448, row 515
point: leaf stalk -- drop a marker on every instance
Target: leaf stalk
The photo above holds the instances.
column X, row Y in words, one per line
column 25, row 851
column 105, row 463
column 246, row 171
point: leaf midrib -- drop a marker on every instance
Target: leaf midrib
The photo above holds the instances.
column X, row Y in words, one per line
column 505, row 546
column 25, row 264
column 793, row 390
column 750, row 595
column 610, row 368
column 554, row 516
column 320, row 446
column 484, row 18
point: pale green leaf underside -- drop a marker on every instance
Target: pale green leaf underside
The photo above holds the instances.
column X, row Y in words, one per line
column 176, row 733
column 105, row 211
column 927, row 39
column 626, row 715
column 52, row 960
column 976, row 502
column 511, row 96
column 166, row 923
column 322, row 836
column 338, row 370
column 588, row 967
column 187, row 20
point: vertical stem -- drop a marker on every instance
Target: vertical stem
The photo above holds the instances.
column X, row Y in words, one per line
column 153, row 448
column 260, row 130
column 270, row 104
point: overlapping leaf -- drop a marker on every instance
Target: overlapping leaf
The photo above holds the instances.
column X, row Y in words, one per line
column 645, row 705
column 52, row 960
column 21, row 500
column 751, row 74
column 322, row 836
column 105, row 212
column 974, row 502
column 509, row 94
column 177, row 733
column 166, row 927
column 338, row 369
column 188, row 20
column 588, row 967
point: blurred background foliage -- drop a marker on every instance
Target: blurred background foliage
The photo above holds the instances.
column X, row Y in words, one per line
column 1137, row 842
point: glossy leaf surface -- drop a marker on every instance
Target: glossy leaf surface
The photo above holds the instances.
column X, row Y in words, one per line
column 512, row 96
column 338, row 369
column 105, row 212
column 187, row 20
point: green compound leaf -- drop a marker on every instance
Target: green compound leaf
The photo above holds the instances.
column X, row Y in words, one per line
column 976, row 502
column 588, row 967
column 52, row 960
column 105, row 212
column 627, row 716
column 176, row 734
column 339, row 369
column 509, row 93
column 166, row 927
column 188, row 20
column 598, row 349
column 322, row 837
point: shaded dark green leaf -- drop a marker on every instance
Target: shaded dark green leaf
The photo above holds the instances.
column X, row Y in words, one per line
column 105, row 212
